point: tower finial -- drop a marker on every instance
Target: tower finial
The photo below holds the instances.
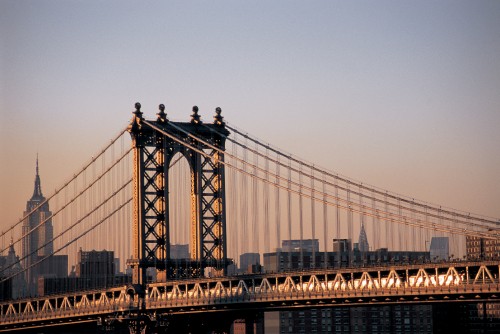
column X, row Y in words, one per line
column 218, row 118
column 162, row 116
column 195, row 118
column 37, row 192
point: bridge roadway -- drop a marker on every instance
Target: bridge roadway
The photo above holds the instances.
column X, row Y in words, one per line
column 422, row 283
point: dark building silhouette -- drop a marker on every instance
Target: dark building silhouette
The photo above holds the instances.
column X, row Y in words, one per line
column 296, row 245
column 10, row 268
column 361, row 319
column 249, row 263
column 484, row 317
column 97, row 268
column 179, row 252
column 94, row 270
column 280, row 261
column 439, row 249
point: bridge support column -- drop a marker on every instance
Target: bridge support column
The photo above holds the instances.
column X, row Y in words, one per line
column 155, row 143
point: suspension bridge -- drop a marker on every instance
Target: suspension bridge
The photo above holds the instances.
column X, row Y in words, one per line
column 226, row 193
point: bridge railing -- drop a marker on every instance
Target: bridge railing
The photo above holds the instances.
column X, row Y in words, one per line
column 453, row 282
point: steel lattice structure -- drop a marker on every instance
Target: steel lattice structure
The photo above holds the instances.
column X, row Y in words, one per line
column 153, row 152
column 431, row 283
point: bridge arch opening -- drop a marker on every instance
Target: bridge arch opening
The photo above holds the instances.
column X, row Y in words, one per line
column 180, row 207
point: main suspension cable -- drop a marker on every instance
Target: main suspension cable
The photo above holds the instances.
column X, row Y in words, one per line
column 65, row 184
column 360, row 185
column 346, row 189
column 402, row 220
column 34, row 229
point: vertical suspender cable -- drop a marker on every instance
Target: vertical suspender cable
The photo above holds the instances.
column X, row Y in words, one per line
column 386, row 222
column 301, row 221
column 423, row 233
column 233, row 223
column 255, row 207
column 399, row 228
column 313, row 221
column 349, row 224
column 325, row 222
column 267, row 232
column 453, row 249
column 414, row 233
column 277, row 211
column 439, row 222
column 337, row 222
column 427, row 235
column 122, row 226
column 361, row 221
column 244, row 205
column 289, row 213
column 375, row 225
column 109, row 226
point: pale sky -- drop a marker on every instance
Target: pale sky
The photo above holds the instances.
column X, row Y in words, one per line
column 397, row 94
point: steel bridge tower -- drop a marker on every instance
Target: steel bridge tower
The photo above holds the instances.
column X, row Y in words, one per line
column 154, row 147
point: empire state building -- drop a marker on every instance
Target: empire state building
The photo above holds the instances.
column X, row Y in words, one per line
column 37, row 245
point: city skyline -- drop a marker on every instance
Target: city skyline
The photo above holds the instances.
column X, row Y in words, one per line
column 403, row 97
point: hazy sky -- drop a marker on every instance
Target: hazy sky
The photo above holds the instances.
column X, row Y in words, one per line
column 398, row 94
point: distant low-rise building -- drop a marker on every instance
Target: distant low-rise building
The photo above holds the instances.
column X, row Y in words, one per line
column 280, row 260
column 439, row 249
column 96, row 267
column 482, row 249
column 248, row 262
column 296, row 245
column 94, row 270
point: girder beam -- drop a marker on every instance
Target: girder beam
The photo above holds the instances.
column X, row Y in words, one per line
column 429, row 283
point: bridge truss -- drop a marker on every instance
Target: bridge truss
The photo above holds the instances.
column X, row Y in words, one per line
column 457, row 282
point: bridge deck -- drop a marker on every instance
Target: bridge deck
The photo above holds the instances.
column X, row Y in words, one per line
column 445, row 282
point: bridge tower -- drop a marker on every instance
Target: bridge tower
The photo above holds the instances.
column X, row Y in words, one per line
column 154, row 144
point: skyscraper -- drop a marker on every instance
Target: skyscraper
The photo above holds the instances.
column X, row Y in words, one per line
column 37, row 246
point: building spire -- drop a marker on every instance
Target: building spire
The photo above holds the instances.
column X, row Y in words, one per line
column 363, row 239
column 37, row 192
